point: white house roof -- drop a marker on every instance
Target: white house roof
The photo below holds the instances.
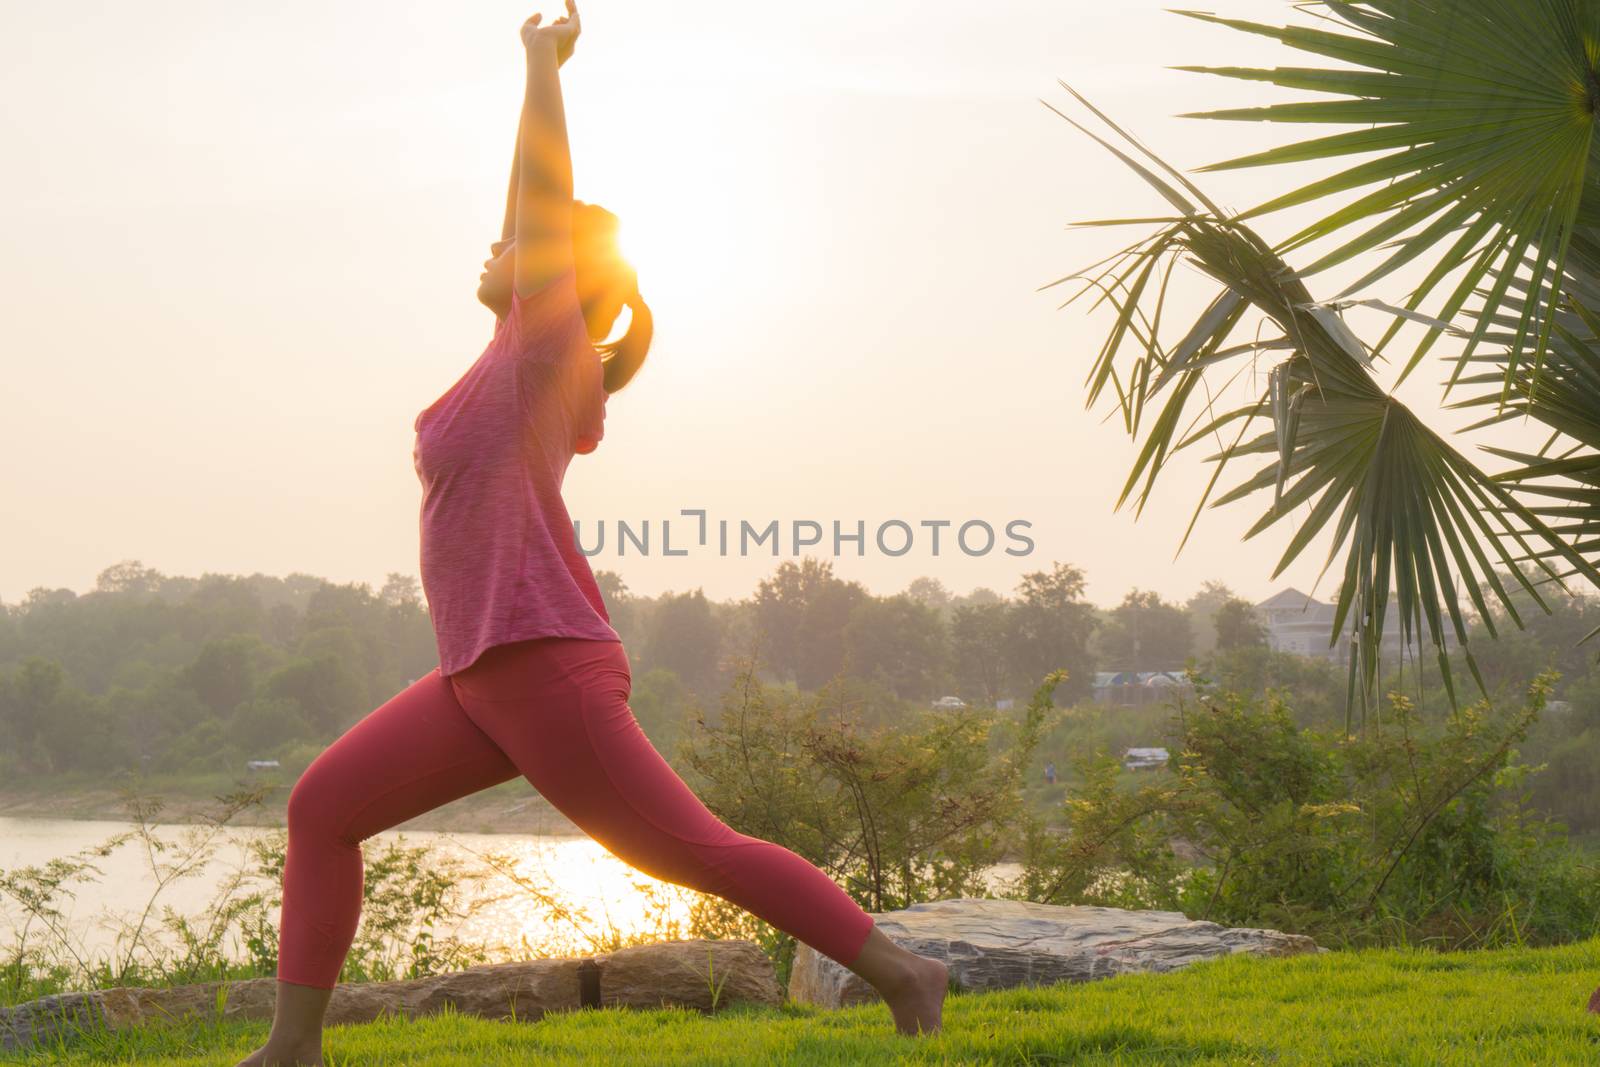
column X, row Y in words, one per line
column 1290, row 599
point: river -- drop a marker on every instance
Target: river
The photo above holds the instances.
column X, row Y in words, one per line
column 507, row 918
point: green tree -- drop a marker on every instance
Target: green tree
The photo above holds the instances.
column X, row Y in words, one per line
column 78, row 734
column 263, row 725
column 684, row 638
column 978, row 648
column 930, row 592
column 10, row 635
column 1544, row 640
column 349, row 619
column 32, row 691
column 620, row 605
column 225, row 671
column 406, row 631
column 128, row 576
column 801, row 612
column 1202, row 609
column 151, row 717
column 664, row 706
column 1050, row 625
column 1238, row 625
column 1145, row 633
column 206, row 749
column 221, row 605
column 328, row 691
column 400, row 590
column 980, row 596
column 899, row 641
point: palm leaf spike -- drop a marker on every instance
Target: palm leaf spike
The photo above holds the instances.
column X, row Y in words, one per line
column 1215, row 211
column 1249, row 413
column 1104, row 368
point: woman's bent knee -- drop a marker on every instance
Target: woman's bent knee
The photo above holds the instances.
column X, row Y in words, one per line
column 313, row 805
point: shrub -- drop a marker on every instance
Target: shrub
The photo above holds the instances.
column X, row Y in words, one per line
column 898, row 814
column 1402, row 833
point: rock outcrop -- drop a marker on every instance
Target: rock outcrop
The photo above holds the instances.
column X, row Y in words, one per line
column 989, row 944
column 997, row 944
column 698, row 974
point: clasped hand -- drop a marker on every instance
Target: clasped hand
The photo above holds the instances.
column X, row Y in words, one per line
column 563, row 32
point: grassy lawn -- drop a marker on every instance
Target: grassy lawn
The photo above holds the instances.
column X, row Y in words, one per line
column 1388, row 1008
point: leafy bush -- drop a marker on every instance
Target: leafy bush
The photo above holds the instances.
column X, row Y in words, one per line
column 898, row 814
column 1403, row 833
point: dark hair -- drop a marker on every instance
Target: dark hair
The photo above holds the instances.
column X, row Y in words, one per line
column 603, row 277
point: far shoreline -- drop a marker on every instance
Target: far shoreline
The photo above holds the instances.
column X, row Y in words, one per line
column 513, row 808
column 503, row 809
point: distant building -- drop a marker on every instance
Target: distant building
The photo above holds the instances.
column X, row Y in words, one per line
column 261, row 765
column 1144, row 759
column 1303, row 625
column 1133, row 688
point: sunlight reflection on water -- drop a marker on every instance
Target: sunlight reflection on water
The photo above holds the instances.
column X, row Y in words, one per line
column 604, row 895
column 578, row 873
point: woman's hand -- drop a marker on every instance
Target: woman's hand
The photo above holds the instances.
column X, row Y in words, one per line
column 563, row 32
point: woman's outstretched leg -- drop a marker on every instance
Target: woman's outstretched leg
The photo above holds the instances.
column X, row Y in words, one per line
column 559, row 708
column 417, row 751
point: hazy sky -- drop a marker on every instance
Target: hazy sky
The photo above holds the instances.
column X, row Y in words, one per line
column 242, row 243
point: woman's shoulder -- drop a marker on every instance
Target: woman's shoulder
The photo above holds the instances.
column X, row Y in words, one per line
column 546, row 341
column 547, row 314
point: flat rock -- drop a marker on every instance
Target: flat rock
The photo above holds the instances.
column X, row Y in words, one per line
column 997, row 944
column 700, row 974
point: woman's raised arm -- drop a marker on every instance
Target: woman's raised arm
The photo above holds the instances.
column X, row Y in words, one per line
column 508, row 229
column 541, row 182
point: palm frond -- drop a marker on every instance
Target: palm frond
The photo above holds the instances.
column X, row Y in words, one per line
column 1561, row 481
column 1478, row 117
column 1414, row 512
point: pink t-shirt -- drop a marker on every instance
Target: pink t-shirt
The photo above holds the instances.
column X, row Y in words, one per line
column 500, row 559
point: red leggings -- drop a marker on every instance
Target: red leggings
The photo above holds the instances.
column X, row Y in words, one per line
column 555, row 710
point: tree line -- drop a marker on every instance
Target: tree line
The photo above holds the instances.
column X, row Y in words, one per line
column 172, row 674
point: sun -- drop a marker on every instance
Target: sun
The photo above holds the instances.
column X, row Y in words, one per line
column 677, row 219
column 634, row 249
column 659, row 247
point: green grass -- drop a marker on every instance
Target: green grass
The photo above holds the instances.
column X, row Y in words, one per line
column 1522, row 1006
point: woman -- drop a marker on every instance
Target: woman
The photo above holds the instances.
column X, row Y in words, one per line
column 532, row 679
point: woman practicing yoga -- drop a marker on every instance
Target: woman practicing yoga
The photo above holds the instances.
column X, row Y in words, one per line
column 532, row 679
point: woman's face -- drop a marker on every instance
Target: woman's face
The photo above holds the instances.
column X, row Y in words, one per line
column 602, row 304
column 499, row 273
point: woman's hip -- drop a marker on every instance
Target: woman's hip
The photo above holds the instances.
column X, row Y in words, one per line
column 539, row 669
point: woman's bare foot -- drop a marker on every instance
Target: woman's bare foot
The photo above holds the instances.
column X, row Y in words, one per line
column 295, row 1039
column 269, row 1055
column 918, row 1003
column 913, row 986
